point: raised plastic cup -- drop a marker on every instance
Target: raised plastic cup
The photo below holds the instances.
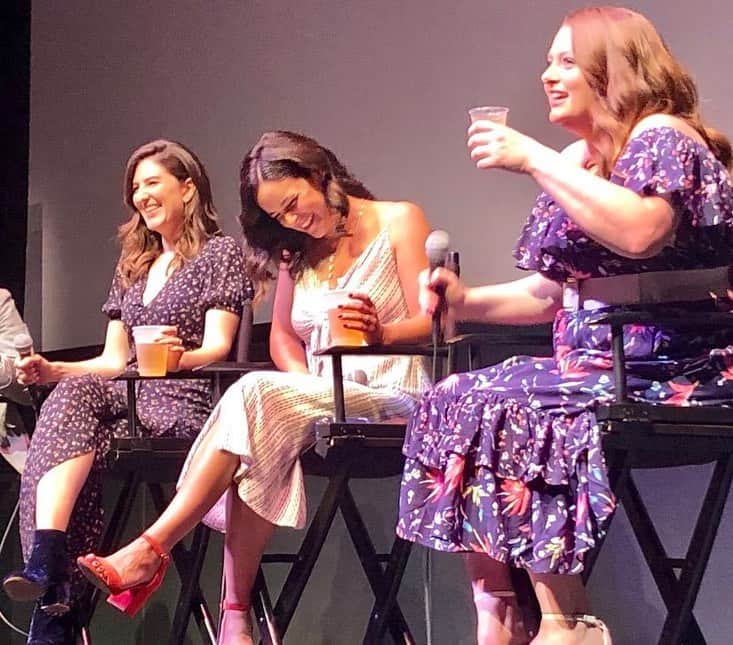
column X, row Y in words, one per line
column 340, row 335
column 152, row 357
column 495, row 113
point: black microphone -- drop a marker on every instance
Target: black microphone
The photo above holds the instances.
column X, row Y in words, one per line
column 436, row 248
column 452, row 263
column 23, row 344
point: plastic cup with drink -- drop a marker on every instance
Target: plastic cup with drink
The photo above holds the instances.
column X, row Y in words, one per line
column 494, row 113
column 154, row 358
column 340, row 335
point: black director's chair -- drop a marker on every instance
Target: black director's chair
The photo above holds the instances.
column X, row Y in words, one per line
column 642, row 435
column 155, row 461
column 347, row 449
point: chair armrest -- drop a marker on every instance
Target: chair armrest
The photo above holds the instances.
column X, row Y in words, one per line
column 642, row 316
column 381, row 350
column 208, row 371
column 212, row 372
column 337, row 352
column 685, row 320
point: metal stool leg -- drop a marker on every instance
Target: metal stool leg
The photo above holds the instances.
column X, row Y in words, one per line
column 373, row 569
column 311, row 547
column 264, row 615
column 698, row 554
column 381, row 611
column 655, row 553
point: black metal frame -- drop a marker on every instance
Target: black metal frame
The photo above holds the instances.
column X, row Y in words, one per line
column 154, row 461
column 346, row 450
column 642, row 435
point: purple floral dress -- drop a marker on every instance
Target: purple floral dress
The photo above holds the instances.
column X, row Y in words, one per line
column 507, row 460
column 83, row 413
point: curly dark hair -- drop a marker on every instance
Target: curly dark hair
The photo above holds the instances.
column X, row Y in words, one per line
column 279, row 155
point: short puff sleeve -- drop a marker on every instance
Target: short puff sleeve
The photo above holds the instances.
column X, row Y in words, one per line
column 112, row 307
column 667, row 162
column 225, row 282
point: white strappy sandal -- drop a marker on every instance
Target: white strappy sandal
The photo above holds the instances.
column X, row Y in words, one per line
column 592, row 622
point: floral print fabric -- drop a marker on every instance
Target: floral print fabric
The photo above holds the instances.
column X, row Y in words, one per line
column 82, row 414
column 507, row 460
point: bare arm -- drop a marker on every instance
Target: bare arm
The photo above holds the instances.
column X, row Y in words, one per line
column 526, row 301
column 286, row 347
column 629, row 224
column 408, row 231
column 220, row 328
column 110, row 363
column 623, row 221
column 534, row 299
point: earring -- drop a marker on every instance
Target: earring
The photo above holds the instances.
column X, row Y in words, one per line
column 341, row 225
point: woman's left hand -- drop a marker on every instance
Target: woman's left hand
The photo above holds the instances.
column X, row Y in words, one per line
column 494, row 145
column 175, row 347
column 361, row 314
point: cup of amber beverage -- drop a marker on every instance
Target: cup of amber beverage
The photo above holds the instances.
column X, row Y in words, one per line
column 331, row 301
column 152, row 355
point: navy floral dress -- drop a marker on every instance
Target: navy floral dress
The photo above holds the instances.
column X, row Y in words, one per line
column 507, row 460
column 83, row 413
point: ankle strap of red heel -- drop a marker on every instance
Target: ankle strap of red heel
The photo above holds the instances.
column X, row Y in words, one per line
column 155, row 546
column 233, row 606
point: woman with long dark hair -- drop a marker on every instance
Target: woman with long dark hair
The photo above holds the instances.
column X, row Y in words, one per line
column 313, row 227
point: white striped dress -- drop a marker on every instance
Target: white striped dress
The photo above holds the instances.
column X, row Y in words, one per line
column 267, row 417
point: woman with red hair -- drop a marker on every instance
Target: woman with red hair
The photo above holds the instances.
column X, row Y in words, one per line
column 505, row 463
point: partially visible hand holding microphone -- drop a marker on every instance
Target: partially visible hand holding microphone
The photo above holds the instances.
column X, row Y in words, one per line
column 436, row 248
column 23, row 344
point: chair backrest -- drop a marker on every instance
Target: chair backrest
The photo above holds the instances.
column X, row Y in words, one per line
column 241, row 345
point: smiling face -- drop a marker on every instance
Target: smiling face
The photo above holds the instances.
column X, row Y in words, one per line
column 296, row 204
column 570, row 96
column 160, row 198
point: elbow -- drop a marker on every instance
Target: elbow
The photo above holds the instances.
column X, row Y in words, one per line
column 640, row 246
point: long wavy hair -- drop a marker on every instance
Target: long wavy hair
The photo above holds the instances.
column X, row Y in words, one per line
column 633, row 73
column 140, row 245
column 279, row 155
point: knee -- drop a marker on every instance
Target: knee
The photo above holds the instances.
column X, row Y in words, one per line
column 76, row 389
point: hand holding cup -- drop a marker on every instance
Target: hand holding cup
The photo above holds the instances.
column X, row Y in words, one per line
column 158, row 349
column 495, row 145
column 360, row 314
column 353, row 319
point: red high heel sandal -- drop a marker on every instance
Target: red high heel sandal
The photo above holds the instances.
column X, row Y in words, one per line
column 105, row 577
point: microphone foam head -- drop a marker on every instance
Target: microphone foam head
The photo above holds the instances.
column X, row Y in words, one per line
column 436, row 248
column 23, row 343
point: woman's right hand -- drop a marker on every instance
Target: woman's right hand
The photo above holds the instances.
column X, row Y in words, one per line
column 34, row 370
column 440, row 280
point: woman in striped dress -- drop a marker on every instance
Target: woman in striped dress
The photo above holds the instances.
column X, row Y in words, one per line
column 302, row 209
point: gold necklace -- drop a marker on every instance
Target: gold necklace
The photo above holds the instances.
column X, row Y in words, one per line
column 332, row 257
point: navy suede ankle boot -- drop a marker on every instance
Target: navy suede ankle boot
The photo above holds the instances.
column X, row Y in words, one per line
column 45, row 574
column 47, row 629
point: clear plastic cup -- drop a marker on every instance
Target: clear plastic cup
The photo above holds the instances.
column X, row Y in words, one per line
column 152, row 357
column 340, row 335
column 495, row 113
